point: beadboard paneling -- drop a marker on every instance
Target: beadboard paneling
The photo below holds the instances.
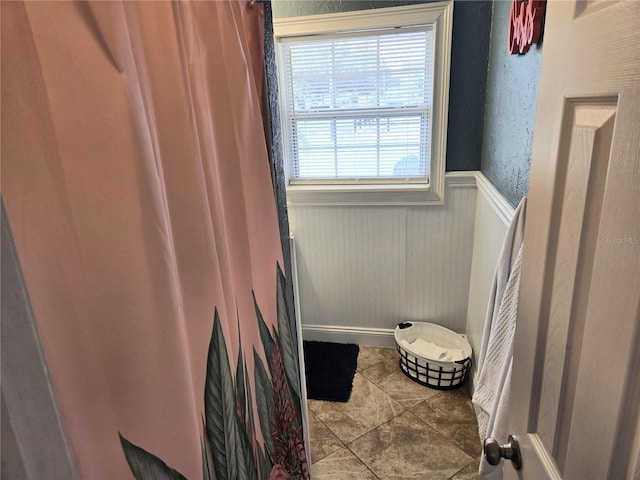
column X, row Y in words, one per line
column 439, row 249
column 349, row 263
column 492, row 217
column 370, row 267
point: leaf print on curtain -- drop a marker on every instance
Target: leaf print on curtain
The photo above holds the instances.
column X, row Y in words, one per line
column 229, row 447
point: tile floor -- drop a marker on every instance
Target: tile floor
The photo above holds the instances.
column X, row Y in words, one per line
column 393, row 428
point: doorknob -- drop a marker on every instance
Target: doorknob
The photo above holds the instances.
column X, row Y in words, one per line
column 493, row 451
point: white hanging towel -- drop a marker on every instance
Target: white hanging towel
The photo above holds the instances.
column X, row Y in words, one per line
column 491, row 394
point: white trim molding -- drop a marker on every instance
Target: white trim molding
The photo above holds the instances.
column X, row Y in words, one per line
column 464, row 179
column 409, row 15
column 383, row 195
column 500, row 205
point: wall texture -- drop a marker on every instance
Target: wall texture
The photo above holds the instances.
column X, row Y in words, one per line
column 469, row 56
column 512, row 92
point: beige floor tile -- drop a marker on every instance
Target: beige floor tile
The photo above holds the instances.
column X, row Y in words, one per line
column 437, row 439
column 367, row 408
column 341, row 465
column 390, row 378
column 470, row 472
column 370, row 356
column 323, row 441
column 451, row 414
column 405, row 448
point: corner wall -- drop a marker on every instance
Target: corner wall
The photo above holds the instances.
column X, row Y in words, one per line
column 492, row 217
column 512, row 93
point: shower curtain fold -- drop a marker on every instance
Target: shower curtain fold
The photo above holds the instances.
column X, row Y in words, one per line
column 137, row 184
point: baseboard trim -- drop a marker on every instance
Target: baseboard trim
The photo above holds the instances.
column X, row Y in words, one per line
column 375, row 337
column 500, row 205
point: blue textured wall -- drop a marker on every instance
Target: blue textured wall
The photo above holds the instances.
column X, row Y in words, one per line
column 299, row 8
column 512, row 92
column 469, row 57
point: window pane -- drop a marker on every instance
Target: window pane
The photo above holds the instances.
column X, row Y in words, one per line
column 356, row 132
column 361, row 147
column 402, row 164
column 405, row 69
column 356, row 163
column 316, row 163
column 311, row 77
column 315, row 149
column 400, row 131
column 359, row 106
column 366, row 71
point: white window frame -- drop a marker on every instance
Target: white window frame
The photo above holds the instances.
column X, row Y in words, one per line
column 437, row 14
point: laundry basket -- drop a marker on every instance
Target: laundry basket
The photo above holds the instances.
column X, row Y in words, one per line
column 432, row 373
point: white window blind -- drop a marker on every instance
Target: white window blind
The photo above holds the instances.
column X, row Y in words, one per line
column 358, row 106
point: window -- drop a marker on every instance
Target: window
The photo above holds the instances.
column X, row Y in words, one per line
column 358, row 107
column 364, row 99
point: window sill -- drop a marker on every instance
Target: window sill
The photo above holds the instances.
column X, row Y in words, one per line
column 383, row 194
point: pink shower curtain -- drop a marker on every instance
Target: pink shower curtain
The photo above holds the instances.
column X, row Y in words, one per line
column 137, row 185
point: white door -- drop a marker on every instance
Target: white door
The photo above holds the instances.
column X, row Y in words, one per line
column 575, row 392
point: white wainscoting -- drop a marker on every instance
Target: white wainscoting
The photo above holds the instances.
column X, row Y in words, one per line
column 492, row 218
column 363, row 269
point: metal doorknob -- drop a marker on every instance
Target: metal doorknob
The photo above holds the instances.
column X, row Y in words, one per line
column 494, row 451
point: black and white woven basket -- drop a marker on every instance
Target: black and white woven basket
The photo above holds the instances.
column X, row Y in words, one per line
column 432, row 373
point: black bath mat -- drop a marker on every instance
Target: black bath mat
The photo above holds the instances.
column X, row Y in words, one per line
column 329, row 368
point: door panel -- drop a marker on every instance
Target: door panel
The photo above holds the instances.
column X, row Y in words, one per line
column 575, row 394
column 584, row 174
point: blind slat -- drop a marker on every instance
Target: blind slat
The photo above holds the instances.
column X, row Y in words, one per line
column 359, row 107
